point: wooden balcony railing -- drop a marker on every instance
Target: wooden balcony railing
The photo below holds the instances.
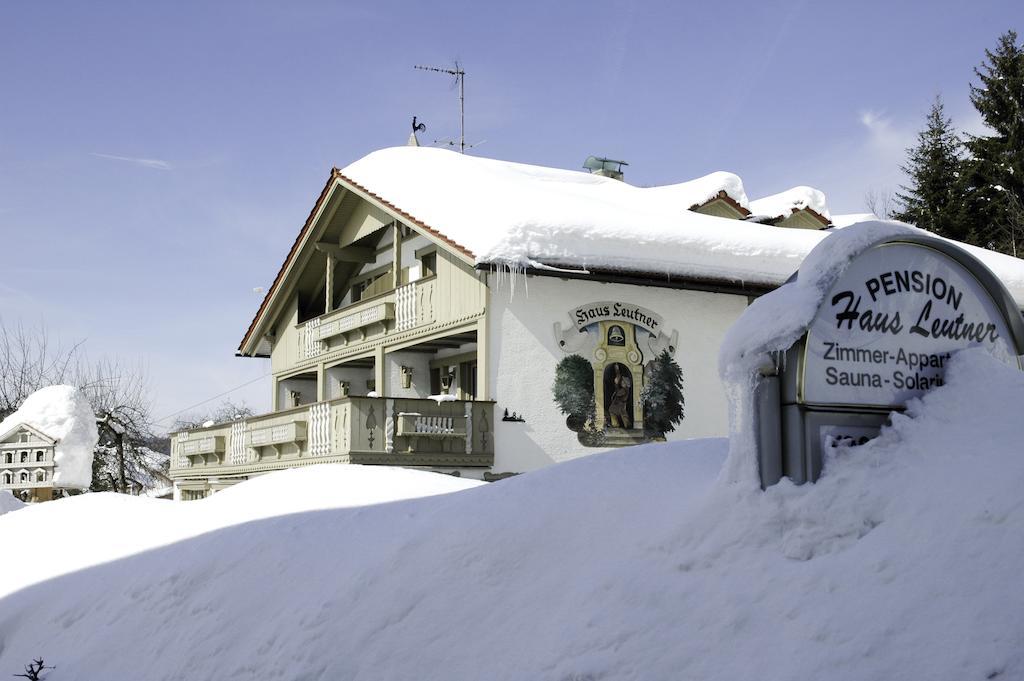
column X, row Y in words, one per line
column 364, row 430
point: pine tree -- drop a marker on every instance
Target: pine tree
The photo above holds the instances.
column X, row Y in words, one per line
column 573, row 391
column 995, row 177
column 663, row 395
column 934, row 199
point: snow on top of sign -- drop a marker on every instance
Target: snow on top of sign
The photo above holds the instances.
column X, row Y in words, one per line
column 518, row 216
column 784, row 203
column 61, row 412
column 773, row 322
column 638, row 559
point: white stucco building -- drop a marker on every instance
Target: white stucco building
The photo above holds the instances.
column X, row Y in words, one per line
column 422, row 272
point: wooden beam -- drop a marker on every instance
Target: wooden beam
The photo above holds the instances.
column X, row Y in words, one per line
column 347, row 253
column 329, row 284
column 396, row 257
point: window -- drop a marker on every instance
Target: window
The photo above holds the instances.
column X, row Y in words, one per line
column 23, row 436
column 24, row 476
column 40, row 476
column 428, row 262
column 40, row 456
column 24, row 457
column 8, row 479
column 10, row 457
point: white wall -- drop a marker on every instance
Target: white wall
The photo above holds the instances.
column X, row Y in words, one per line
column 524, row 352
column 420, row 363
column 356, row 377
column 305, row 386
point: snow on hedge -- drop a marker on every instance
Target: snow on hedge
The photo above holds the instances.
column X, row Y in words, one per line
column 9, row 502
column 901, row 562
column 516, row 216
column 61, row 412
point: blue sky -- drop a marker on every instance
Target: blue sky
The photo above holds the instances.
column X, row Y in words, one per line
column 157, row 159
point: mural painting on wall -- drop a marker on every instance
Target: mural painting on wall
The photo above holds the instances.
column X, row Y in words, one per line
column 618, row 383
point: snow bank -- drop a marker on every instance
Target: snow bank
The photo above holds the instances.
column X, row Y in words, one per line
column 9, row 502
column 74, row 543
column 516, row 216
column 902, row 562
column 783, row 204
column 61, row 412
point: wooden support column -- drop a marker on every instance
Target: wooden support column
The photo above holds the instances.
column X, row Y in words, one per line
column 396, row 258
column 321, row 382
column 329, row 284
column 483, row 362
column 379, row 372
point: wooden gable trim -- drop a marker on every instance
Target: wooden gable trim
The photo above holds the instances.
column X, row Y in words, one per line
column 723, row 196
column 286, row 265
column 337, row 179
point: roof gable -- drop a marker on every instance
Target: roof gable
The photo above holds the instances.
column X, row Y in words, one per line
column 12, row 436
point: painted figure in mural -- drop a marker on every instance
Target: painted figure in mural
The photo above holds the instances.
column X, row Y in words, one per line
column 618, row 407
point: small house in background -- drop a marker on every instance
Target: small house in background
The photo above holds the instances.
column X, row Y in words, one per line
column 47, row 445
column 26, row 463
column 485, row 318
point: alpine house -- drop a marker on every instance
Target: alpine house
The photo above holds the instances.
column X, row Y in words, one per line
column 486, row 318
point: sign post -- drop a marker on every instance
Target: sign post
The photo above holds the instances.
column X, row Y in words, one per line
column 882, row 335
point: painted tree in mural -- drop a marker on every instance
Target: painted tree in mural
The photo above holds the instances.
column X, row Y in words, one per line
column 663, row 395
column 574, row 391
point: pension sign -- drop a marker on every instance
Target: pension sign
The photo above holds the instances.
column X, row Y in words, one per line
column 888, row 326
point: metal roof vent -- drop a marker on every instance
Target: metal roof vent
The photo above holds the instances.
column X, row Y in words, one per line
column 605, row 167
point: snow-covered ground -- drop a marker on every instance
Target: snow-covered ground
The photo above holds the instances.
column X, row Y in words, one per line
column 902, row 562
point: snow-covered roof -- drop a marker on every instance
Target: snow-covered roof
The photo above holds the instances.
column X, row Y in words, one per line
column 61, row 412
column 696, row 192
column 523, row 216
column 783, row 204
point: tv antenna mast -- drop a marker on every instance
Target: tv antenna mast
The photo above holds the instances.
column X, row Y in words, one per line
column 460, row 80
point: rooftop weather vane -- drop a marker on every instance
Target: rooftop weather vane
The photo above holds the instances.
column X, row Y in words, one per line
column 460, row 80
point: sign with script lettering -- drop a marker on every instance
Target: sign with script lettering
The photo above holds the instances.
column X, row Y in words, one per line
column 889, row 324
column 616, row 311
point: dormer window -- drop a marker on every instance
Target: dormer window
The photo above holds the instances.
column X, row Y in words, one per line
column 23, row 436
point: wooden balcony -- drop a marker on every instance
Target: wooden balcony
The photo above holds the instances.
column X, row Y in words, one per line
column 397, row 310
column 362, row 430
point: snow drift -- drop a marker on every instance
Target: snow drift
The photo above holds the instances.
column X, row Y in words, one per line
column 61, row 412
column 902, row 562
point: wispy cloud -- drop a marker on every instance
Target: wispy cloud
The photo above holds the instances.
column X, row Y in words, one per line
column 154, row 163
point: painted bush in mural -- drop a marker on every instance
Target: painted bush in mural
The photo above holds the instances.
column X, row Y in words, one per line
column 574, row 391
column 663, row 396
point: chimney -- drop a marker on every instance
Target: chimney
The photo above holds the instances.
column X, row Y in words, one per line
column 605, row 167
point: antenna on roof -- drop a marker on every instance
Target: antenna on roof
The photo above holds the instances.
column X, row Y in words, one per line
column 460, row 80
